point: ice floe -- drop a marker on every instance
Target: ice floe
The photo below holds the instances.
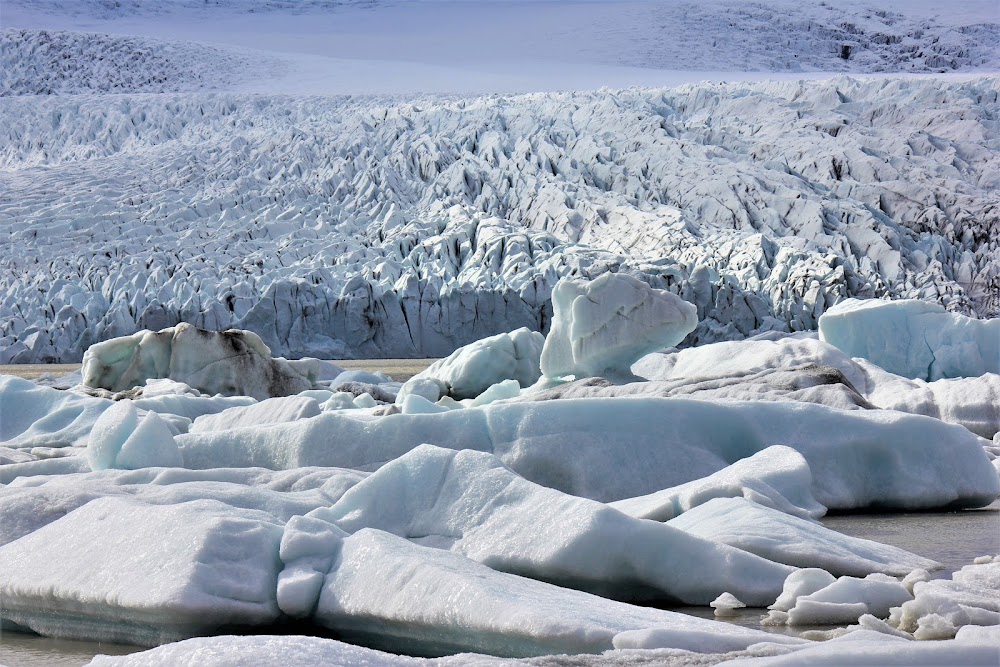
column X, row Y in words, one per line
column 914, row 339
column 609, row 449
column 783, row 538
column 470, row 503
column 121, row 571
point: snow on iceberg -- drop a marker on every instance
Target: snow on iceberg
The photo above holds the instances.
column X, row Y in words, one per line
column 474, row 368
column 269, row 411
column 237, row 651
column 791, row 540
column 388, row 593
column 35, row 416
column 912, row 338
column 777, row 477
column 805, row 369
column 470, row 503
column 228, row 362
column 30, row 502
column 610, row 449
column 941, row 607
column 122, row 571
column 604, row 326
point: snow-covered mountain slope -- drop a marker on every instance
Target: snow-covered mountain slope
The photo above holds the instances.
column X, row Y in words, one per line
column 338, row 226
column 42, row 62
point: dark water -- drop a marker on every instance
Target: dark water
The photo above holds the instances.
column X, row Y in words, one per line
column 951, row 538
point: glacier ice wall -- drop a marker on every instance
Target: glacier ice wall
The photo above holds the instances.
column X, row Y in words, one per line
column 338, row 227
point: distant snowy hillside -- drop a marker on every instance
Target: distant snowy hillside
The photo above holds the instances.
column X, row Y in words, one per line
column 338, row 226
column 42, row 62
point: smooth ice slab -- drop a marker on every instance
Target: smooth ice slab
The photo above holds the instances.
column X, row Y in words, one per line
column 122, row 571
column 609, row 449
column 915, row 339
column 604, row 326
column 389, row 593
column 230, row 362
column 776, row 477
column 470, row 503
column 787, row 539
column 28, row 503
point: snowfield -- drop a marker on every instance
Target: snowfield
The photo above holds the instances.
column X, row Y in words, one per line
column 697, row 273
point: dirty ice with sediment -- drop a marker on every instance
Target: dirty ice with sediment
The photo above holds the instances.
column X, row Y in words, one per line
column 697, row 274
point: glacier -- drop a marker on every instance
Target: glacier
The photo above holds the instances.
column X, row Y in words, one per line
column 362, row 227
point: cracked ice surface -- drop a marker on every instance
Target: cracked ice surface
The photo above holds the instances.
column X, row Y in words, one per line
column 352, row 226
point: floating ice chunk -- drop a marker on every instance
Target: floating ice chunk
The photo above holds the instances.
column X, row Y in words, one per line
column 390, row 593
column 604, row 326
column 365, row 401
column 725, row 604
column 340, row 400
column 121, row 571
column 777, row 477
column 915, row 339
column 497, row 392
column 110, row 432
column 33, row 416
column 800, row 583
column 941, row 606
column 609, row 449
column 787, row 539
column 269, row 411
column 471, row 370
column 229, row 362
column 472, row 504
column 150, row 445
column 415, row 404
column 846, row 600
column 431, row 389
column 235, row 651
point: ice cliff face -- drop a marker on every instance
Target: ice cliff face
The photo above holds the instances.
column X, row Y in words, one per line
column 334, row 227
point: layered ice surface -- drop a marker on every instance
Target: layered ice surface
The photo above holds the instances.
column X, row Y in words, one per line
column 914, row 339
column 121, row 571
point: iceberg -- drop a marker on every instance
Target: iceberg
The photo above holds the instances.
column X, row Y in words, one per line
column 269, row 411
column 915, row 339
column 777, row 477
column 603, row 327
column 470, row 503
column 229, row 362
column 787, row 539
column 471, row 370
column 388, row 593
column 36, row 416
column 615, row 448
column 121, row 571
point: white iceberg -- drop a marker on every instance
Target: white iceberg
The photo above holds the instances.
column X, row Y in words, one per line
column 474, row 368
column 787, row 539
column 33, row 416
column 915, row 339
column 470, row 503
column 940, row 607
column 269, row 411
column 609, row 449
column 389, row 593
column 777, row 477
column 604, row 326
column 122, row 571
column 120, row 440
